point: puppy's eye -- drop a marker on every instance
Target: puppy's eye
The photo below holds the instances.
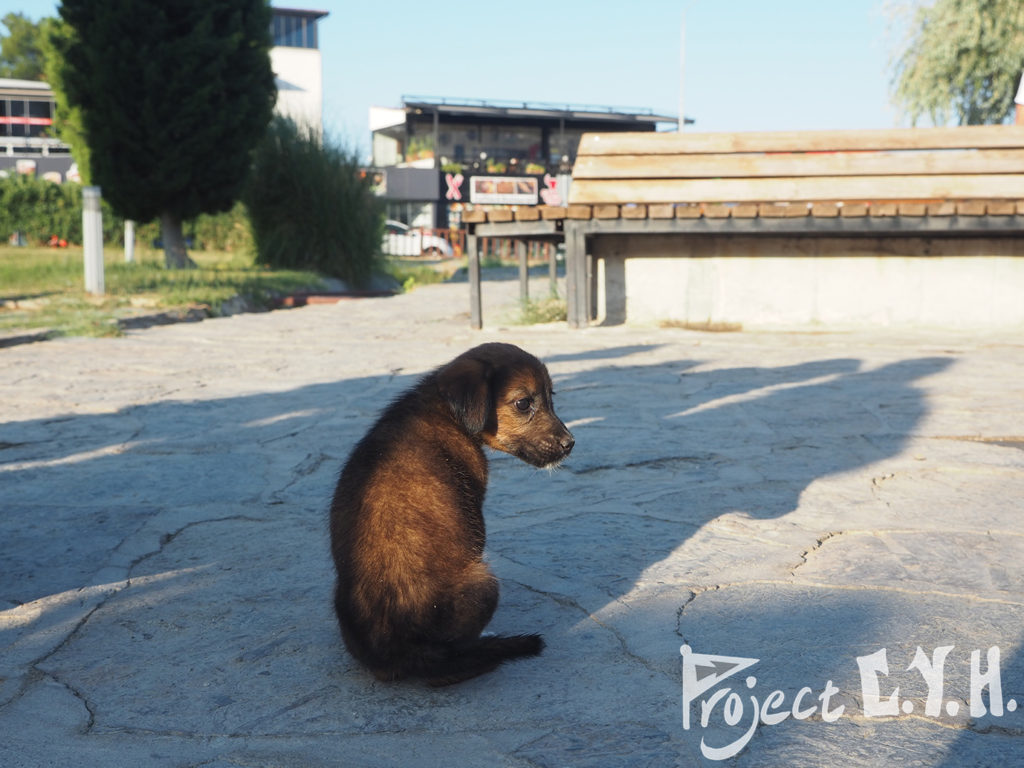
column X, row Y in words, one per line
column 523, row 404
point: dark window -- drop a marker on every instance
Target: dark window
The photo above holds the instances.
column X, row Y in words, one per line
column 18, row 110
column 293, row 31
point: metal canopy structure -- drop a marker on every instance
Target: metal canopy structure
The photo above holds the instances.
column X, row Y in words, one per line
column 532, row 110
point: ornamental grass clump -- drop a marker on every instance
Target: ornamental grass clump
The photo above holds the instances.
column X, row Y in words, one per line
column 311, row 207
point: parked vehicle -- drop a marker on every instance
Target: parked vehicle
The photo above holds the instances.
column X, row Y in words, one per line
column 402, row 240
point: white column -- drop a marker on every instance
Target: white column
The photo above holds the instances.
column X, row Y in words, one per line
column 92, row 237
column 129, row 241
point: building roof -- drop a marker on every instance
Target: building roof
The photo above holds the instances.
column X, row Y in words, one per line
column 496, row 108
column 308, row 13
column 8, row 83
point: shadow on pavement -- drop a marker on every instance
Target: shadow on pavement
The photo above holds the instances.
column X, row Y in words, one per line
column 217, row 511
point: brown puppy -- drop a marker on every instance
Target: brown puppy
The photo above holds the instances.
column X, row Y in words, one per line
column 407, row 529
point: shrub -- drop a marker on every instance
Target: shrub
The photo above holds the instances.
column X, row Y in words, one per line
column 228, row 231
column 549, row 310
column 310, row 207
column 38, row 209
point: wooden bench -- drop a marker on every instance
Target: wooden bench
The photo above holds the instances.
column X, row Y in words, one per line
column 920, row 165
column 941, row 183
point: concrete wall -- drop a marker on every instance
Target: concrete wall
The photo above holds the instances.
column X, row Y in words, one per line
column 733, row 282
column 298, row 73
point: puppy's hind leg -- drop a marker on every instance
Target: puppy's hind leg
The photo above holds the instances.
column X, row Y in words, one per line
column 473, row 604
column 467, row 654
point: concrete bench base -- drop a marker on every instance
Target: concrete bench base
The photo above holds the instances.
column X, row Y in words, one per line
column 759, row 282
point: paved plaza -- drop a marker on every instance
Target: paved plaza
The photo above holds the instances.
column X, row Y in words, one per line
column 822, row 518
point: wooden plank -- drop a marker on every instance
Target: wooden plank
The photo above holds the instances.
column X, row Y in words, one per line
column 1001, row 208
column 606, row 211
column 499, row 214
column 945, row 208
column 552, row 212
column 688, row 211
column 744, row 211
column 800, row 164
column 524, row 229
column 853, row 210
column 925, row 226
column 788, row 189
column 527, row 213
column 825, row 210
column 977, row 136
column 912, row 209
column 578, row 212
column 661, row 211
column 970, row 208
column 476, row 216
column 634, row 212
column 717, row 211
column 884, row 209
column 782, row 210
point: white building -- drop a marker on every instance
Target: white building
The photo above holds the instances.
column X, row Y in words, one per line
column 298, row 70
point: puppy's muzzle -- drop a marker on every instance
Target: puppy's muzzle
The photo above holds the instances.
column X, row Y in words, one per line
column 557, row 447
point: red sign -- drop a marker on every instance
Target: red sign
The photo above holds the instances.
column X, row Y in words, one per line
column 454, row 186
column 25, row 121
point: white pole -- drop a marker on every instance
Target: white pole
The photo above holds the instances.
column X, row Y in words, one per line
column 682, row 70
column 129, row 241
column 92, row 236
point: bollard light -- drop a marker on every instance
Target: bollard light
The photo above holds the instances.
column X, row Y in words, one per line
column 92, row 239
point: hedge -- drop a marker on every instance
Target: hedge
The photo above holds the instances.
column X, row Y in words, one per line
column 38, row 209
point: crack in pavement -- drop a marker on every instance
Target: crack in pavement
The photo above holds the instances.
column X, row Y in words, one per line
column 656, row 463
column 819, row 542
column 568, row 602
column 34, row 671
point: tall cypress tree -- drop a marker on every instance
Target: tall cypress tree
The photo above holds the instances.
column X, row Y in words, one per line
column 173, row 96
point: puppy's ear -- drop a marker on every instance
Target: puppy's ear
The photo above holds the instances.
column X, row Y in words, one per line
column 465, row 385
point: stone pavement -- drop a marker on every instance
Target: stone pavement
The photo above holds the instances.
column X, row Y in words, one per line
column 797, row 500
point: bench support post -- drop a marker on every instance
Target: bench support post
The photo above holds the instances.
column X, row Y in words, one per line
column 476, row 321
column 576, row 287
column 524, row 270
column 550, row 252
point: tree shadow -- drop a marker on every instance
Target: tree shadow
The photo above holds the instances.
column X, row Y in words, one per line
column 662, row 451
column 84, row 493
column 78, row 486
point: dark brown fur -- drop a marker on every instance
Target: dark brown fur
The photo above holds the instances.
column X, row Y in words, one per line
column 407, row 530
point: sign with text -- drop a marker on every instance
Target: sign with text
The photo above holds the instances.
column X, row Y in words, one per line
column 503, row 190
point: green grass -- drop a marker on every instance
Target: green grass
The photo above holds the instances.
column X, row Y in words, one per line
column 411, row 274
column 550, row 310
column 44, row 288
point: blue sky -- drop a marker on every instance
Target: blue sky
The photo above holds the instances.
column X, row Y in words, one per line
column 749, row 65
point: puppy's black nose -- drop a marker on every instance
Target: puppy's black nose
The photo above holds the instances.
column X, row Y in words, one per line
column 567, row 442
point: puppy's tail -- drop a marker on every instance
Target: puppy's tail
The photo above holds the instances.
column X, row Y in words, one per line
column 454, row 662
